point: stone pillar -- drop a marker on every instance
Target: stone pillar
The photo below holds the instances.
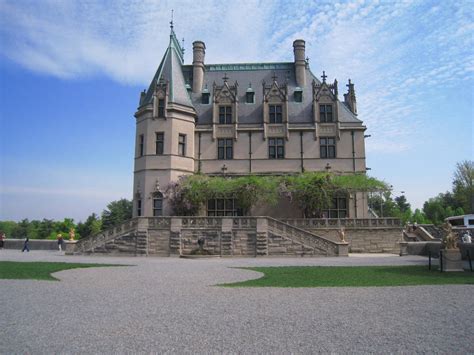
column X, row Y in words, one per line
column 452, row 260
column 300, row 62
column 70, row 247
column 199, row 51
column 343, row 249
column 262, row 237
column 175, row 236
column 403, row 248
column 226, row 237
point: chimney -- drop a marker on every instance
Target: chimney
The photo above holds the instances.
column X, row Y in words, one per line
column 199, row 50
column 300, row 62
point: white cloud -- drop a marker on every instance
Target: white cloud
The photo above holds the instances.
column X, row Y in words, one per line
column 394, row 51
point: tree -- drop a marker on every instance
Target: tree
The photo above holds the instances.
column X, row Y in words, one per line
column 463, row 185
column 91, row 226
column 21, row 230
column 7, row 227
column 402, row 203
column 116, row 213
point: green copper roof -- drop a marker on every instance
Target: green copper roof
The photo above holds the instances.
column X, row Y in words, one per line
column 249, row 66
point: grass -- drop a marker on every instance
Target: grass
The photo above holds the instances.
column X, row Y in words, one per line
column 13, row 270
column 356, row 276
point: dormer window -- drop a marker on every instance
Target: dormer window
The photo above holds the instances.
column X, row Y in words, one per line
column 325, row 113
column 225, row 114
column 205, row 98
column 161, row 108
column 298, row 95
column 275, row 114
column 250, row 97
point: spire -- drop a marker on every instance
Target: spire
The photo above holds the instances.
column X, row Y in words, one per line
column 171, row 22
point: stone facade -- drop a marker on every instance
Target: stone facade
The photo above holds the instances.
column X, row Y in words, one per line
column 239, row 119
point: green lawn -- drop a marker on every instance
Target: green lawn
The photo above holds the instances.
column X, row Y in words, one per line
column 356, row 276
column 38, row 270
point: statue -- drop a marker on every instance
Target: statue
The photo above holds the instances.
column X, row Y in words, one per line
column 342, row 234
column 450, row 241
column 72, row 234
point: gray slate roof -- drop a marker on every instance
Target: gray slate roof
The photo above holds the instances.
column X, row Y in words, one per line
column 247, row 75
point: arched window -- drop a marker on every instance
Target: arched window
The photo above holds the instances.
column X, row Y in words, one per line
column 157, row 204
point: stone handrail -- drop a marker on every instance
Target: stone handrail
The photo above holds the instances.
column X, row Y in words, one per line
column 201, row 222
column 424, row 234
column 99, row 239
column 343, row 222
column 302, row 236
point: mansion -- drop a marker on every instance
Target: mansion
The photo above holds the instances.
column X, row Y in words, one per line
column 238, row 119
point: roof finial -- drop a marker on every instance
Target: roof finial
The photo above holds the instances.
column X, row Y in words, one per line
column 274, row 77
column 324, row 76
column 225, row 78
column 171, row 22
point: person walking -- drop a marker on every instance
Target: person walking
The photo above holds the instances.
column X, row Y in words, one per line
column 60, row 241
column 26, row 245
column 2, row 239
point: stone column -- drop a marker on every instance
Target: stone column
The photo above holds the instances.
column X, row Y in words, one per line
column 262, row 237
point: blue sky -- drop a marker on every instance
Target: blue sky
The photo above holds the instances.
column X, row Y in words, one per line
column 71, row 73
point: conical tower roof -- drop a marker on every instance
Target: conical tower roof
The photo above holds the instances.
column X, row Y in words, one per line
column 170, row 70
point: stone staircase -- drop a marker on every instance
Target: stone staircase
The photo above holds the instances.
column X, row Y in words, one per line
column 252, row 236
column 310, row 243
column 125, row 238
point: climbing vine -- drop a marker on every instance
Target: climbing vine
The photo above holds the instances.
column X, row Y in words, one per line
column 310, row 191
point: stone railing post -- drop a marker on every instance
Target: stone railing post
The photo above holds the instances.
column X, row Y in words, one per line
column 175, row 236
column 226, row 237
column 262, row 237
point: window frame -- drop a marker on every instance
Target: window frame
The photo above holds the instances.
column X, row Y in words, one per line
column 161, row 108
column 326, row 116
column 252, row 93
column 298, row 96
column 275, row 117
column 324, row 146
column 225, row 117
column 336, row 210
column 205, row 95
column 223, row 147
column 274, row 143
column 159, row 144
column 158, row 196
column 182, row 145
column 139, row 207
column 141, row 145
column 223, row 207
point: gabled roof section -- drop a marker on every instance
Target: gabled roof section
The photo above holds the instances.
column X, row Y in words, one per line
column 170, row 70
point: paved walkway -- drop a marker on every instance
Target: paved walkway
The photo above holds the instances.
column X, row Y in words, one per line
column 170, row 305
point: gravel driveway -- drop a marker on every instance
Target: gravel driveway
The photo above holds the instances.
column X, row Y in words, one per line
column 170, row 305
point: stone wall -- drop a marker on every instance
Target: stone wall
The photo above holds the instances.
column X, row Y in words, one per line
column 34, row 244
column 381, row 235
